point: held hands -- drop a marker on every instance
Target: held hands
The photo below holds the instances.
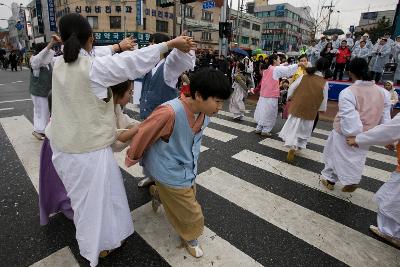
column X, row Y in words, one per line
column 390, row 147
column 126, row 44
column 351, row 141
column 183, row 43
column 55, row 39
column 251, row 91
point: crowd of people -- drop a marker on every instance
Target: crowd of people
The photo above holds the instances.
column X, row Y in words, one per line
column 11, row 60
column 78, row 99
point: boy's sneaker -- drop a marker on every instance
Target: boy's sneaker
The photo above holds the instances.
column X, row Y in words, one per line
column 194, row 249
column 265, row 133
column 145, row 182
column 258, row 129
column 155, row 199
column 290, row 155
column 329, row 185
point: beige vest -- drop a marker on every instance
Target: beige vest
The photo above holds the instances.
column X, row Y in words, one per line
column 80, row 121
column 370, row 102
column 307, row 97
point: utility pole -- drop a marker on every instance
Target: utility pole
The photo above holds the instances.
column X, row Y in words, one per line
column 330, row 10
column 223, row 46
column 239, row 22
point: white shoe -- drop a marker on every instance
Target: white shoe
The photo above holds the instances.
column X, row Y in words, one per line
column 195, row 251
column 145, row 182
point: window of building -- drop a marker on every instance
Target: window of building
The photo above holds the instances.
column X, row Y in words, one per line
column 161, row 26
column 246, row 24
column 190, row 33
column 115, row 22
column 254, row 41
column 206, row 36
column 256, row 27
column 144, row 23
column 189, row 11
column 206, row 16
column 94, row 21
column 245, row 40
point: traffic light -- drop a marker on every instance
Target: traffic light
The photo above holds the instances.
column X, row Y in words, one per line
column 187, row 1
column 225, row 29
column 165, row 3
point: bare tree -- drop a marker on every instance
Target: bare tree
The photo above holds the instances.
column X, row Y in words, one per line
column 317, row 18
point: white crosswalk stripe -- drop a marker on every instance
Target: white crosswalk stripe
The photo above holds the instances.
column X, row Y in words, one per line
column 368, row 171
column 339, row 241
column 360, row 197
column 317, row 230
column 155, row 229
column 371, row 154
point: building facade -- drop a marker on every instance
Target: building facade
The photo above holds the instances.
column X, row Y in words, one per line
column 246, row 29
column 17, row 27
column 43, row 22
column 285, row 27
column 369, row 20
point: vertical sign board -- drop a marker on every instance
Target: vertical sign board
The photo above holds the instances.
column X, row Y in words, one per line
column 139, row 12
column 52, row 15
column 39, row 16
column 280, row 10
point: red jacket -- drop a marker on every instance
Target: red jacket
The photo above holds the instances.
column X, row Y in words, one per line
column 343, row 55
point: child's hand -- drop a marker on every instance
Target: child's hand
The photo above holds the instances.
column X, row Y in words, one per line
column 251, row 91
column 351, row 141
column 183, row 43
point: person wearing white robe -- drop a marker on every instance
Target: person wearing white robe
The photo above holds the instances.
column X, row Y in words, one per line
column 388, row 196
column 361, row 51
column 267, row 106
column 92, row 178
column 362, row 106
column 296, row 131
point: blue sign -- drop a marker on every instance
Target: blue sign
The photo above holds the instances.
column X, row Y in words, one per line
column 139, row 12
column 103, row 38
column 19, row 26
column 52, row 15
column 208, row 4
column 280, row 10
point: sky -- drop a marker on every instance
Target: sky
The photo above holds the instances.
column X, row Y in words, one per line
column 350, row 10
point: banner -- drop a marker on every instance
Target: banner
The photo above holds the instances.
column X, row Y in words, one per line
column 39, row 16
column 139, row 11
column 52, row 15
column 105, row 38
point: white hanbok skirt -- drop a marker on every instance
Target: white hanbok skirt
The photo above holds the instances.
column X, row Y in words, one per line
column 137, row 92
column 388, row 200
column 343, row 162
column 41, row 113
column 296, row 132
column 236, row 102
column 94, row 184
column 266, row 112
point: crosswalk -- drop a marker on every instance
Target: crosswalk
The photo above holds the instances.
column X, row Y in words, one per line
column 259, row 210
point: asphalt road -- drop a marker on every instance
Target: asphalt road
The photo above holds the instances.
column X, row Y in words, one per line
column 259, row 210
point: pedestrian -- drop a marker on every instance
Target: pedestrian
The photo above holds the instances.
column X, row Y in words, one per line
column 40, row 85
column 240, row 89
column 301, row 70
column 381, row 54
column 52, row 193
column 159, row 84
column 367, row 41
column 361, row 51
column 82, row 129
column 12, row 58
column 168, row 145
column 394, row 98
column 396, row 59
column 267, row 106
column 307, row 95
column 328, row 52
column 342, row 57
column 349, row 39
column 248, row 72
column 388, row 196
column 362, row 106
column 283, row 91
column 313, row 53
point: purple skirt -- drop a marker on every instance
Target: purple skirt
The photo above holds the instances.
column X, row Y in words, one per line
column 52, row 194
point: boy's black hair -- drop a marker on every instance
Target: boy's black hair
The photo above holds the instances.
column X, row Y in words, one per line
column 302, row 56
column 241, row 66
column 119, row 90
column 158, row 38
column 359, row 67
column 210, row 82
column 39, row 47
